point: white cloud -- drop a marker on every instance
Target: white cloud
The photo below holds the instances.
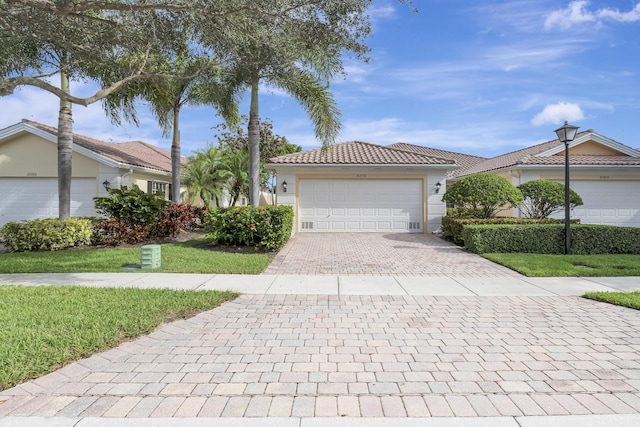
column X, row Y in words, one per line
column 576, row 13
column 615, row 15
column 557, row 113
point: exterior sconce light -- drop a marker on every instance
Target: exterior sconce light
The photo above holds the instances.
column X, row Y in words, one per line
column 106, row 184
column 566, row 134
column 284, row 186
column 437, row 187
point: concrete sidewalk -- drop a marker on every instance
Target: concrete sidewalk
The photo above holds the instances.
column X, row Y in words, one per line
column 338, row 285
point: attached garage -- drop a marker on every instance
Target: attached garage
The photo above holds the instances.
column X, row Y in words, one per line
column 357, row 205
column 37, row 198
column 608, row 202
column 356, row 187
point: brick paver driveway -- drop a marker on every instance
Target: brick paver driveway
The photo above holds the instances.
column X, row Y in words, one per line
column 359, row 356
column 379, row 254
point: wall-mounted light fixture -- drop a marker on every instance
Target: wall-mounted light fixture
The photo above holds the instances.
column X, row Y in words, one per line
column 437, row 187
column 284, row 186
column 106, row 184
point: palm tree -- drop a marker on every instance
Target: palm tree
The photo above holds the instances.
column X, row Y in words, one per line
column 237, row 164
column 206, row 176
column 281, row 54
column 167, row 96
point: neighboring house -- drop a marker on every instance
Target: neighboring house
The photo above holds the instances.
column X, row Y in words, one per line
column 361, row 187
column 604, row 172
column 29, row 171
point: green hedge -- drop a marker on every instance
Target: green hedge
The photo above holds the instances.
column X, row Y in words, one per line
column 266, row 227
column 605, row 239
column 587, row 239
column 453, row 225
column 46, row 234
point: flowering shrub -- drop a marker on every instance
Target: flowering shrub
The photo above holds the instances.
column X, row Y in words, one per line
column 265, row 227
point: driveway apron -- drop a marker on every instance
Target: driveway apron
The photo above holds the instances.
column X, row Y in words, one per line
column 378, row 254
column 359, row 356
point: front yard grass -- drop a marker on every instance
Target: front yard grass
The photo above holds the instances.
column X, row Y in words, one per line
column 44, row 328
column 625, row 299
column 194, row 256
column 542, row 265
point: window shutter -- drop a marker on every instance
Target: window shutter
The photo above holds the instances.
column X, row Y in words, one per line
column 149, row 187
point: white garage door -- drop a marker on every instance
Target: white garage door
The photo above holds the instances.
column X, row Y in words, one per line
column 37, row 198
column 352, row 205
column 607, row 202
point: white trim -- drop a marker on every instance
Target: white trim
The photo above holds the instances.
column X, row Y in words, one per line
column 593, row 136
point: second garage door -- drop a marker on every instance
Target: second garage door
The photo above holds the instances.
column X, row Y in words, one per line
column 607, row 202
column 353, row 205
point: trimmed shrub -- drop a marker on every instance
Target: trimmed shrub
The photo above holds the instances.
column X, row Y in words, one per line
column 605, row 239
column 587, row 239
column 543, row 197
column 452, row 228
column 507, row 238
column 46, row 234
column 265, row 227
column 483, row 194
column 131, row 206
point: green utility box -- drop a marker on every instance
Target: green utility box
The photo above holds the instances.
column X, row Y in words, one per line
column 150, row 257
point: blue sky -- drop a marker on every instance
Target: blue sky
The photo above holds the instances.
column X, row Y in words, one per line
column 479, row 77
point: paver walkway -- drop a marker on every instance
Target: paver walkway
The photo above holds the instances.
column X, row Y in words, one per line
column 378, row 254
column 359, row 356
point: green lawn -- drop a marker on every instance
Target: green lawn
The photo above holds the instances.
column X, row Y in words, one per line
column 626, row 299
column 187, row 257
column 540, row 265
column 44, row 328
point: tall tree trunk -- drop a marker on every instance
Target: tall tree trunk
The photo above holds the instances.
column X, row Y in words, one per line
column 65, row 150
column 254, row 146
column 175, row 156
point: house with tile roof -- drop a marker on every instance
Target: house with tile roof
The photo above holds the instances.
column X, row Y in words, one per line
column 361, row 187
column 366, row 187
column 604, row 172
column 29, row 171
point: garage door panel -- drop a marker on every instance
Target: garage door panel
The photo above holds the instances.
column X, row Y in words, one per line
column 607, row 202
column 368, row 225
column 37, row 198
column 344, row 205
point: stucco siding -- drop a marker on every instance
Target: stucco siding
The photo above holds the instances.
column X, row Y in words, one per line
column 17, row 159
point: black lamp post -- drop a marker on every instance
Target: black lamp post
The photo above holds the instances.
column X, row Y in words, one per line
column 566, row 134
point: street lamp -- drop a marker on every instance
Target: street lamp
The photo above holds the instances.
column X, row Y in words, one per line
column 566, row 134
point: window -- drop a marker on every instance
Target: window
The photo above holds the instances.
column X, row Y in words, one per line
column 164, row 187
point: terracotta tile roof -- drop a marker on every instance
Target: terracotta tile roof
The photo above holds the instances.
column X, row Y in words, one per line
column 529, row 156
column 134, row 153
column 583, row 160
column 359, row 153
column 463, row 160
